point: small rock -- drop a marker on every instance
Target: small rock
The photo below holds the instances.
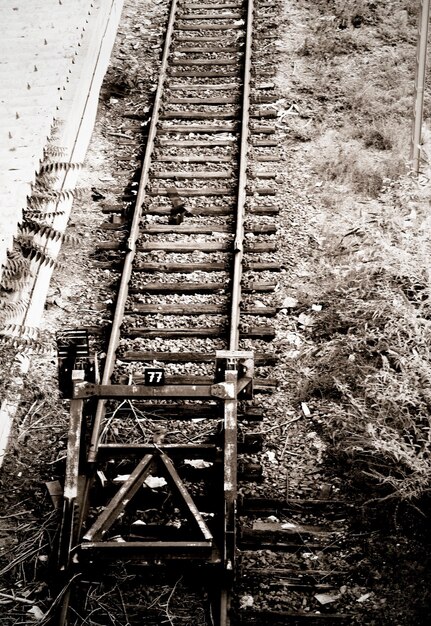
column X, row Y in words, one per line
column 246, row 601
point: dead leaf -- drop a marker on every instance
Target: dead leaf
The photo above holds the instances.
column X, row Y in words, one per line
column 305, row 320
column 289, row 303
column 154, row 482
column 36, row 613
column 364, row 597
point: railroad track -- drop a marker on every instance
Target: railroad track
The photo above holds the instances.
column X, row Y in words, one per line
column 158, row 443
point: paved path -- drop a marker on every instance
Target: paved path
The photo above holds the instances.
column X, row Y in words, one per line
column 41, row 43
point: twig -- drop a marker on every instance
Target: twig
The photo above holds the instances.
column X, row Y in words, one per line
column 124, row 607
column 169, row 599
column 56, row 602
column 15, row 514
column 120, row 135
column 27, row 415
column 22, row 558
column 288, row 423
column 108, row 423
column 16, row 598
column 141, row 428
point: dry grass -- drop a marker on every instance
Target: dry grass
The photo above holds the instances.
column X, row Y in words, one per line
column 364, row 84
column 372, row 361
column 347, row 161
column 369, row 370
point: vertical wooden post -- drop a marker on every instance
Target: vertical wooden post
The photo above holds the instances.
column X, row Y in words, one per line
column 421, row 59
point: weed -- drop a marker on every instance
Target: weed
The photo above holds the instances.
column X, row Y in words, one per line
column 372, row 364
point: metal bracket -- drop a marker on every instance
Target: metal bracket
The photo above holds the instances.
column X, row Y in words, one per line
column 224, row 391
column 243, row 362
column 72, row 351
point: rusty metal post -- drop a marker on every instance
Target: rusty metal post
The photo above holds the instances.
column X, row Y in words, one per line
column 230, row 490
column 421, row 59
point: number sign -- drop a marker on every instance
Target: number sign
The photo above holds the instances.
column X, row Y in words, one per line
column 154, row 376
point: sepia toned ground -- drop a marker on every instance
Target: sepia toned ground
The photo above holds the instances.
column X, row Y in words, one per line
column 353, row 247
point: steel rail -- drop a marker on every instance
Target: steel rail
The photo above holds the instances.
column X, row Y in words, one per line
column 131, row 242
column 230, row 418
column 242, row 183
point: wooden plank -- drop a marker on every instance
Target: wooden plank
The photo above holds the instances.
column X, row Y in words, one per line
column 265, row 191
column 188, row 87
column 262, row 286
column 209, row 16
column 264, row 210
column 263, row 130
column 195, row 7
column 198, row 115
column 185, row 309
column 266, row 114
column 207, row 74
column 264, row 175
column 221, row 61
column 205, row 100
column 219, row 48
column 211, row 211
column 262, row 229
column 197, row 143
column 192, row 6
column 264, row 143
column 266, row 333
column 260, row 247
column 177, row 287
column 276, row 506
column 199, row 128
column 259, row 332
column 193, row 175
column 185, row 246
column 264, row 99
column 199, row 158
column 266, row 311
column 265, row 266
column 194, row 309
column 263, row 158
column 190, row 193
column 182, row 267
column 193, row 27
column 206, row 38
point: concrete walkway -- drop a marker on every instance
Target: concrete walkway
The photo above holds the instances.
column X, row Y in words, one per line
column 54, row 55
column 45, row 49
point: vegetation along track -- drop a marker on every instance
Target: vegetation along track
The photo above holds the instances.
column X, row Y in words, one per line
column 159, row 445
